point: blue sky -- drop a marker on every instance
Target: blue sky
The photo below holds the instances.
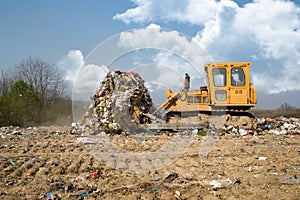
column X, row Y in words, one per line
column 265, row 32
column 50, row 28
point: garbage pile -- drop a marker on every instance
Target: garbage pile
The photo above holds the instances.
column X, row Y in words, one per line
column 278, row 126
column 120, row 102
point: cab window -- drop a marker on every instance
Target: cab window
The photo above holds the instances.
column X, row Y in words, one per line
column 190, row 99
column 219, row 76
column 197, row 99
column 220, row 95
column 237, row 76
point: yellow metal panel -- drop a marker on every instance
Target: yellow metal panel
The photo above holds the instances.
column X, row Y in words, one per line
column 238, row 93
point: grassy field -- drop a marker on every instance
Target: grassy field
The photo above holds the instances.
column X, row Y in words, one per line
column 275, row 113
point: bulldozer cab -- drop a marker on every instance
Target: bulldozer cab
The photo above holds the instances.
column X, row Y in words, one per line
column 229, row 84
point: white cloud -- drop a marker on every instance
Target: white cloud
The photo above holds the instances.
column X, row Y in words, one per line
column 84, row 78
column 170, row 44
column 277, row 36
column 272, row 24
column 219, row 29
column 266, row 32
column 138, row 14
column 88, row 81
column 71, row 63
column 176, row 54
column 169, row 10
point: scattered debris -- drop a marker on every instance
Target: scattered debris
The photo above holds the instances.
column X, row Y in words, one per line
column 262, row 158
column 95, row 174
column 177, row 194
column 82, row 195
column 51, row 196
column 154, row 189
column 171, row 177
column 277, row 126
column 156, row 178
column 48, row 164
column 216, row 184
column 291, row 180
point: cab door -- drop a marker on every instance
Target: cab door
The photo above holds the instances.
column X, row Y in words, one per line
column 237, row 87
column 218, row 86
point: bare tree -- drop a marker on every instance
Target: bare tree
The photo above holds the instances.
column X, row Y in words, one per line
column 44, row 77
column 32, row 93
column 46, row 81
column 286, row 106
column 6, row 82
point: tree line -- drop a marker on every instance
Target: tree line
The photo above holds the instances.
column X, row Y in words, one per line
column 32, row 93
column 286, row 106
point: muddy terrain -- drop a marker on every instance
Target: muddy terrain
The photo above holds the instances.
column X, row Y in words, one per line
column 51, row 163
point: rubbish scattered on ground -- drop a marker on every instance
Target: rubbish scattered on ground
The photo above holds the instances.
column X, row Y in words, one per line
column 171, row 177
column 95, row 174
column 156, row 178
column 177, row 194
column 237, row 181
column 243, row 132
column 82, row 196
column 51, row 196
column 202, row 133
column 154, row 189
column 262, row 158
column 276, row 126
column 12, row 162
column 49, row 164
column 216, row 184
column 292, row 180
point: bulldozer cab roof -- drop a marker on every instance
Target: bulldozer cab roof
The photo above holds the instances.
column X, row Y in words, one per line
column 228, row 64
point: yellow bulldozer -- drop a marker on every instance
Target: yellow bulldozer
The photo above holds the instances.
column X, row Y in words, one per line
column 225, row 101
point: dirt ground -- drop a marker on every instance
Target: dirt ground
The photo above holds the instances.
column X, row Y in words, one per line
column 49, row 162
